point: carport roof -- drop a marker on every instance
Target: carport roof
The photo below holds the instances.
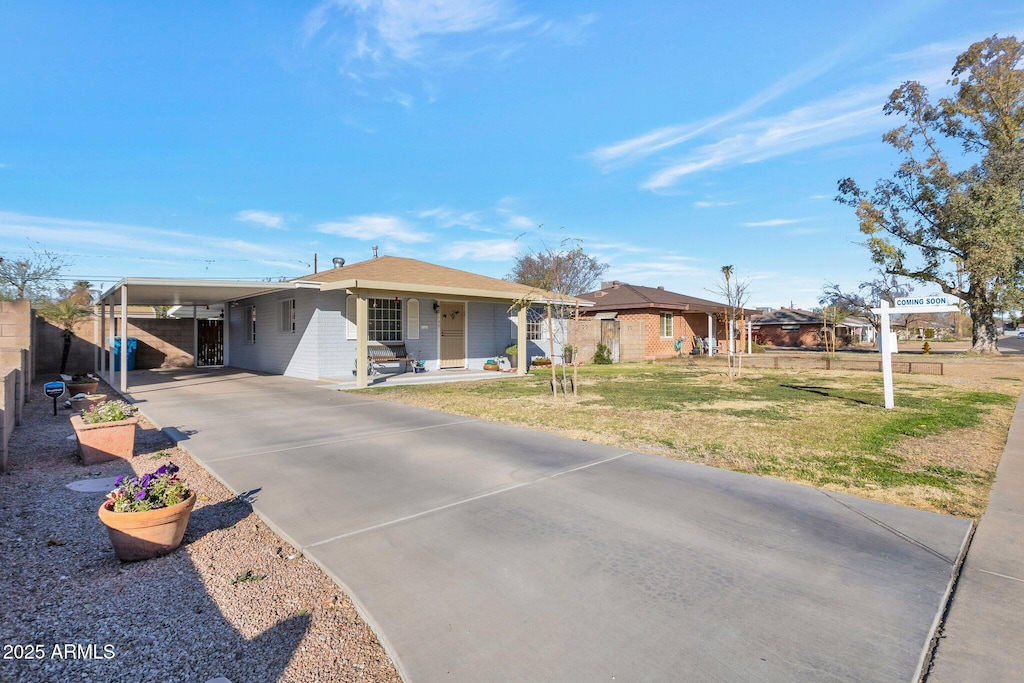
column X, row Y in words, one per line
column 146, row 291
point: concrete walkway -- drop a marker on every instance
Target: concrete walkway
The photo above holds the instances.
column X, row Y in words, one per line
column 982, row 634
column 481, row 552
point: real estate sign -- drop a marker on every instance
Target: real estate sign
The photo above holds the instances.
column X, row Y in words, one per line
column 942, row 303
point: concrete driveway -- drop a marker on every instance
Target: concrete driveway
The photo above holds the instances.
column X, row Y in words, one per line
column 481, row 552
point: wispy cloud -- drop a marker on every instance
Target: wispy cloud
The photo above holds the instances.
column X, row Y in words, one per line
column 388, row 39
column 374, row 227
column 447, row 217
column 737, row 137
column 119, row 243
column 482, row 250
column 817, row 197
column 267, row 219
column 772, row 222
column 712, row 205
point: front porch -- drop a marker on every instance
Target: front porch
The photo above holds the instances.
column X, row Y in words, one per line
column 412, row 378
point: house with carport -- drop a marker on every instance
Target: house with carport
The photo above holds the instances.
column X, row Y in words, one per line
column 327, row 325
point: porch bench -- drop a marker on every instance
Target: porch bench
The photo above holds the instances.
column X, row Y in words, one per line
column 379, row 354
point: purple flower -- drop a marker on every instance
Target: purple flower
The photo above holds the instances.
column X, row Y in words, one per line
column 119, row 480
column 140, row 495
column 161, row 470
column 145, row 480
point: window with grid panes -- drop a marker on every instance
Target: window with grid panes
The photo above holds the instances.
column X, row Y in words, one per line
column 666, row 324
column 385, row 320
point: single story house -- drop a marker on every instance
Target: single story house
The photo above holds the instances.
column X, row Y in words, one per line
column 794, row 327
column 644, row 323
column 327, row 324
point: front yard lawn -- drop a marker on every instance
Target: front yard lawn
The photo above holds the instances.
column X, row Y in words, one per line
column 937, row 450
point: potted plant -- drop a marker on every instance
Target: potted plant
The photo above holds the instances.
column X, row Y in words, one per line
column 146, row 516
column 82, row 384
column 567, row 352
column 541, row 362
column 105, row 431
column 83, row 402
column 512, row 351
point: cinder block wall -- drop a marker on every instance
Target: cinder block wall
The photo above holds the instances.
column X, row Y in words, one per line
column 160, row 340
column 16, row 329
column 8, row 410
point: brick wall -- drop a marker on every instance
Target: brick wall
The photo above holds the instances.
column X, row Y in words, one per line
column 774, row 335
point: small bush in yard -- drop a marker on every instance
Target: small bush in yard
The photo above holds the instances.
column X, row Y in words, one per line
column 108, row 411
column 603, row 355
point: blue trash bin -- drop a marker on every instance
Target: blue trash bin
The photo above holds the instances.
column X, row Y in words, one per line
column 133, row 344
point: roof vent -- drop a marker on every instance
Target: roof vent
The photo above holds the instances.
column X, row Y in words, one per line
column 661, row 287
column 338, row 261
column 615, row 284
column 374, row 247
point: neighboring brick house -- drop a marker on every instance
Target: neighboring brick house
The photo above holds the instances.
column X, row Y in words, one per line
column 794, row 327
column 662, row 317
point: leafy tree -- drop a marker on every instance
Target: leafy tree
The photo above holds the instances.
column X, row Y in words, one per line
column 928, row 217
column 35, row 277
column 571, row 271
column 65, row 314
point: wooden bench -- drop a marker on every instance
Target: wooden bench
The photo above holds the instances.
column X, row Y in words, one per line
column 380, row 354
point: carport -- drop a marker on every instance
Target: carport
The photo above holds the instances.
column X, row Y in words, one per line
column 143, row 291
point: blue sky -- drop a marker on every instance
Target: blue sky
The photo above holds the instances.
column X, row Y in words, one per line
column 237, row 139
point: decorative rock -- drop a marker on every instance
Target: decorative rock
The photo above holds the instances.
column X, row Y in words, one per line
column 106, row 484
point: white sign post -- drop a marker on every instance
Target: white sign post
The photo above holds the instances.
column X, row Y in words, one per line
column 913, row 304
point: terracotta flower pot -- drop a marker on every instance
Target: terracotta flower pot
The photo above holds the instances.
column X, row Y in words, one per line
column 82, row 387
column 80, row 405
column 144, row 535
column 105, row 441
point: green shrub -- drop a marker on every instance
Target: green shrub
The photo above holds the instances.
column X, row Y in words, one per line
column 603, row 355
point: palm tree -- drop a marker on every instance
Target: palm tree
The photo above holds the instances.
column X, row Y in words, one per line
column 65, row 314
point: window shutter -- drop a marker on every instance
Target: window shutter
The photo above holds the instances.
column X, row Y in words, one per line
column 412, row 312
column 350, row 315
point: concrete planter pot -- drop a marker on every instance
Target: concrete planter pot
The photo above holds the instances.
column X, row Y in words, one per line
column 145, row 535
column 82, row 387
column 80, row 405
column 105, row 441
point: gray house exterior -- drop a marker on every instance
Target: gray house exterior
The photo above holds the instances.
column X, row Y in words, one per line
column 317, row 326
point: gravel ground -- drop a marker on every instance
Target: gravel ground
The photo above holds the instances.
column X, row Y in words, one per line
column 72, row 612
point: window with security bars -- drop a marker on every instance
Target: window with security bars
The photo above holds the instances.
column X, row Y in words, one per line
column 385, row 320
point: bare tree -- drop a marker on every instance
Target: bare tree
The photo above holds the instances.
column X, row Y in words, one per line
column 735, row 291
column 35, row 277
column 868, row 295
column 566, row 271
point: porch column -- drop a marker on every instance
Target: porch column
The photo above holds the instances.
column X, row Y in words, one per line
column 521, row 340
column 362, row 333
column 124, row 339
column 101, row 343
column 224, row 327
column 711, row 335
column 109, row 308
column 95, row 341
column 195, row 337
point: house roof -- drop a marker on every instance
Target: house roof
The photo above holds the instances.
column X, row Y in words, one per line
column 797, row 316
column 396, row 273
column 183, row 291
column 621, row 296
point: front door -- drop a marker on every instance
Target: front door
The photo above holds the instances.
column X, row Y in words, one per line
column 211, row 343
column 453, row 335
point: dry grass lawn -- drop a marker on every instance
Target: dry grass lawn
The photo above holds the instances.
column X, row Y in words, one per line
column 937, row 450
